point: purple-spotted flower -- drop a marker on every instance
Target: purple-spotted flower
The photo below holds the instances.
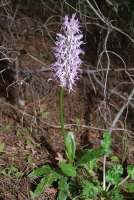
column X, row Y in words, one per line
column 67, row 51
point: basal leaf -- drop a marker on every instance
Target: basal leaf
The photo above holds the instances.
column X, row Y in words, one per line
column 45, row 182
column 68, row 169
column 106, row 142
column 42, row 184
column 40, row 172
column 63, row 189
column 70, row 146
column 89, row 155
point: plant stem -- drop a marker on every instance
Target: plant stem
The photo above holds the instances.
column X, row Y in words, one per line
column 124, row 180
column 108, row 186
column 61, row 114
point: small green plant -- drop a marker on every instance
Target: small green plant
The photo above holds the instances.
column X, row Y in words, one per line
column 41, row 54
column 18, row 132
column 80, row 178
column 10, row 171
column 44, row 113
column 1, row 146
column 7, row 127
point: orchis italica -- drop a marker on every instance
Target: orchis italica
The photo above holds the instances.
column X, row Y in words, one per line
column 67, row 51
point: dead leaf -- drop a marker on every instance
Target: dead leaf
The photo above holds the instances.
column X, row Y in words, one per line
column 60, row 158
column 32, row 148
column 20, row 143
column 20, row 197
column 51, row 191
column 93, row 135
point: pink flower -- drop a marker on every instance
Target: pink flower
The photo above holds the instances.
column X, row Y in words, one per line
column 67, row 51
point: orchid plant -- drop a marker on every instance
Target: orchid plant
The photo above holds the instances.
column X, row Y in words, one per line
column 70, row 175
column 68, row 69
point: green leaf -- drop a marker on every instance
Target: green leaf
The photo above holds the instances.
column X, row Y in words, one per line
column 46, row 114
column 7, row 127
column 113, row 175
column 118, row 197
column 115, row 159
column 77, row 121
column 129, row 186
column 14, row 169
column 1, row 146
column 130, row 171
column 3, row 172
column 40, row 172
column 41, row 54
column 46, row 181
column 90, row 166
column 17, row 132
column 63, row 189
column 68, row 169
column 115, row 193
column 106, row 142
column 70, row 146
column 89, row 190
column 18, row 174
column 31, row 194
column 88, row 155
column 29, row 158
column 28, row 141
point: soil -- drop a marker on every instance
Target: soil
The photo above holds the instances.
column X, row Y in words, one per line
column 29, row 119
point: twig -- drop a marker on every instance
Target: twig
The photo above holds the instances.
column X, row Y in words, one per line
column 121, row 110
column 108, row 23
column 84, row 71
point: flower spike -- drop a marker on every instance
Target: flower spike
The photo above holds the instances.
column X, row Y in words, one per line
column 67, row 51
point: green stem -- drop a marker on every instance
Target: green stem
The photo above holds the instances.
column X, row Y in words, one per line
column 61, row 114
